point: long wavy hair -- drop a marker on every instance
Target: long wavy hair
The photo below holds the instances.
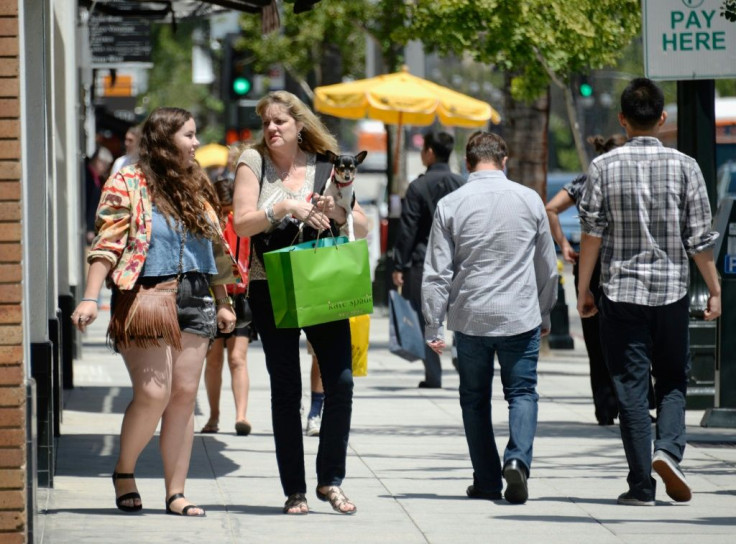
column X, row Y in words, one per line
column 315, row 136
column 178, row 188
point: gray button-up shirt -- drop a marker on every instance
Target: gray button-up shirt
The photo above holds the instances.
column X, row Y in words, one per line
column 490, row 264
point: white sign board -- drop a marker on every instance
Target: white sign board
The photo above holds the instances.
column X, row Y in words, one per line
column 688, row 39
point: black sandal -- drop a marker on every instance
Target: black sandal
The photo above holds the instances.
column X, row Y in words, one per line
column 337, row 499
column 128, row 496
column 296, row 500
column 184, row 511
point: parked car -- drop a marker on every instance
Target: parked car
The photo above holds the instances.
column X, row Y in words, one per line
column 569, row 220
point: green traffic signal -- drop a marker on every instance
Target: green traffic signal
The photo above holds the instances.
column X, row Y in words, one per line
column 586, row 90
column 241, row 86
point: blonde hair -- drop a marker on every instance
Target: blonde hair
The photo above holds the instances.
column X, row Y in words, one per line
column 314, row 135
column 233, row 153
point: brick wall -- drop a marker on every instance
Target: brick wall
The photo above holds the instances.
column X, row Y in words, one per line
column 13, row 524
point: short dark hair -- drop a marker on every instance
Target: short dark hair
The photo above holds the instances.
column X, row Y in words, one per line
column 441, row 144
column 485, row 146
column 642, row 103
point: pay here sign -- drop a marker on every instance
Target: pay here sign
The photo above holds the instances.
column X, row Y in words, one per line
column 688, row 39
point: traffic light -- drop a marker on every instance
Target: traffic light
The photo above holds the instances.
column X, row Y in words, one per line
column 241, row 85
column 237, row 72
column 241, row 82
column 585, row 88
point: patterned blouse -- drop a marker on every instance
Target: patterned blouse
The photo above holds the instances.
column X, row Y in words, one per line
column 273, row 191
column 124, row 231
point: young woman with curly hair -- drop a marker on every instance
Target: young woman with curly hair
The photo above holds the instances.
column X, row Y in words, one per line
column 158, row 220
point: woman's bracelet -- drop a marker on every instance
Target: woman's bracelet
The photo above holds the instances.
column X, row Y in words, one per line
column 223, row 301
column 86, row 299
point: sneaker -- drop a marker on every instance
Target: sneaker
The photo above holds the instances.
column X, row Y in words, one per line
column 313, row 425
column 674, row 480
column 628, row 499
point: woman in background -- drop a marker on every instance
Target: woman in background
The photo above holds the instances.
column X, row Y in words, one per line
column 604, row 395
column 236, row 342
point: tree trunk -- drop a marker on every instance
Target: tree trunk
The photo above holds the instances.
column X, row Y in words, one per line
column 526, row 136
column 577, row 134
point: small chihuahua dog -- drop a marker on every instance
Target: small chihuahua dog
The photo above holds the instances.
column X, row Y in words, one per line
column 340, row 184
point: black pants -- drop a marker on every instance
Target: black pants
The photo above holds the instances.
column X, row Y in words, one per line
column 601, row 383
column 412, row 291
column 637, row 338
column 331, row 344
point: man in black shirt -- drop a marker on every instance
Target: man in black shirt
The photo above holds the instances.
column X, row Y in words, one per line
column 416, row 222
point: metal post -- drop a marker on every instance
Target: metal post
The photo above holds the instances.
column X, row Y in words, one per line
column 696, row 137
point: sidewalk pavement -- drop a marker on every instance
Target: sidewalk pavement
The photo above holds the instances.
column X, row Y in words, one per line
column 407, row 471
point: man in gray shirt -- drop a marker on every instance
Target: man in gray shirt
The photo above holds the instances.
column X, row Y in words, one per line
column 491, row 266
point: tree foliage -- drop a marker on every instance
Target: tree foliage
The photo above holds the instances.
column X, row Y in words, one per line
column 537, row 40
column 305, row 38
column 170, row 80
column 728, row 10
column 387, row 25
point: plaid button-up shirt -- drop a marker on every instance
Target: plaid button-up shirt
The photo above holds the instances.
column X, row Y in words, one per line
column 650, row 205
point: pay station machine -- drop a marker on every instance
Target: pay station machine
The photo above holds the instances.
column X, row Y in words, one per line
column 723, row 414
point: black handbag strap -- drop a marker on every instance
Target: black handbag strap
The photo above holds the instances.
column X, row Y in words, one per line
column 183, row 239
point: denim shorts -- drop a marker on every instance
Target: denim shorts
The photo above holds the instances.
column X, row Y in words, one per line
column 197, row 313
column 195, row 305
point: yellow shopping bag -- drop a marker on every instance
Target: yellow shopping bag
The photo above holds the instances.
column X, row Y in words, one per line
column 360, row 327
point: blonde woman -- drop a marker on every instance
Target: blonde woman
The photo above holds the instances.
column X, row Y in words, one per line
column 275, row 186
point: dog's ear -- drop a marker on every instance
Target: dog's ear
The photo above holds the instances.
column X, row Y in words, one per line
column 331, row 156
column 360, row 157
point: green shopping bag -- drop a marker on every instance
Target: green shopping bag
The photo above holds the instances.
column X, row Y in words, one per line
column 319, row 281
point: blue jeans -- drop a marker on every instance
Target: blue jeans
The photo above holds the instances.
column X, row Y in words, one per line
column 517, row 357
column 634, row 339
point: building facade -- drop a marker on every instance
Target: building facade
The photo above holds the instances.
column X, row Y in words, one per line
column 41, row 251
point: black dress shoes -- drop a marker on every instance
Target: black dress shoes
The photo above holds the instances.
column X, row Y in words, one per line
column 427, row 385
column 474, row 493
column 515, row 475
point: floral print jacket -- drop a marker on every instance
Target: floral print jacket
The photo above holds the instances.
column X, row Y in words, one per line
column 124, row 231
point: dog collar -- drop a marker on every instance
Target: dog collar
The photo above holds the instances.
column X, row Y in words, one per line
column 341, row 185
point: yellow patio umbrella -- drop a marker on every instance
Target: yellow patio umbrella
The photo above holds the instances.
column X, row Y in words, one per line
column 212, row 155
column 403, row 99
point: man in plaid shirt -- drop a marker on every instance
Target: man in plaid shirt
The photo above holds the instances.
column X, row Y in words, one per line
column 645, row 210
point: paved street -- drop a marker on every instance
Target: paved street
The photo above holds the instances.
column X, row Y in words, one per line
column 408, row 467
